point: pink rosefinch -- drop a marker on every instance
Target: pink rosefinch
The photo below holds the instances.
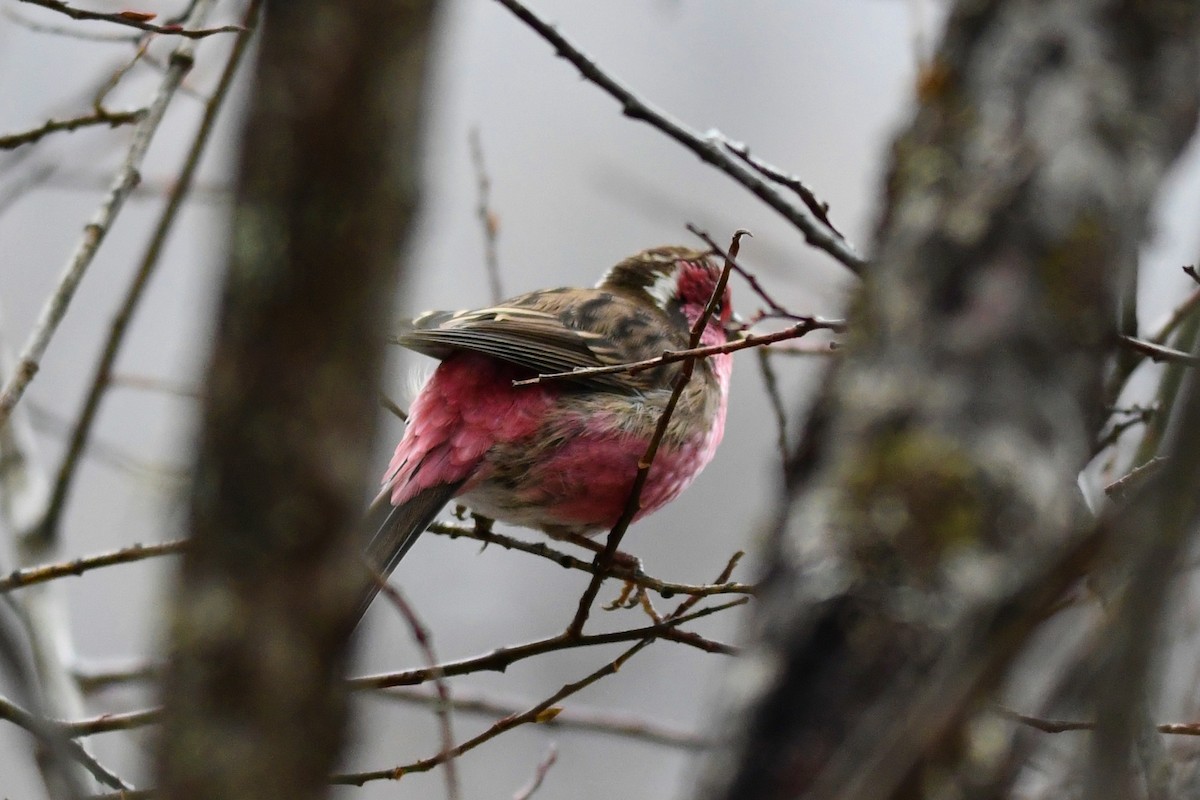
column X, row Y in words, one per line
column 559, row 456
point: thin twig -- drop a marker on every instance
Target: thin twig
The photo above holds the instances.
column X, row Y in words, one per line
column 147, row 383
column 96, row 679
column 1067, row 725
column 424, row 640
column 539, row 775
column 708, row 148
column 776, row 309
column 1159, row 352
column 392, row 407
column 119, row 326
column 807, row 326
column 123, row 69
column 487, row 218
column 139, row 552
column 69, row 31
column 1137, row 416
column 543, row 711
column 538, row 713
column 1134, row 477
column 41, row 728
column 132, row 19
column 666, row 589
column 106, row 723
column 807, row 196
column 112, row 119
column 802, row 350
column 30, row 576
column 97, row 228
column 593, row 720
column 1177, row 316
column 501, row 658
column 771, row 385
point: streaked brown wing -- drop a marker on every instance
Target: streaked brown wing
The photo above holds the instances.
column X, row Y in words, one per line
column 528, row 337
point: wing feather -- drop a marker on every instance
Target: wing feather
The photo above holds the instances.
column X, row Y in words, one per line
column 547, row 332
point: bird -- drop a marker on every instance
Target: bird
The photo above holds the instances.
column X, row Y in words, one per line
column 559, row 456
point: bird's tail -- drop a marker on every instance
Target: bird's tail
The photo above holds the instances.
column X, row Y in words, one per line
column 392, row 530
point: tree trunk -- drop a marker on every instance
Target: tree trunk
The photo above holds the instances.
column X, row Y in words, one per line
column 326, row 194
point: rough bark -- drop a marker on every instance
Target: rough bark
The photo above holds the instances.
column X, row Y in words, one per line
column 932, row 513
column 263, row 612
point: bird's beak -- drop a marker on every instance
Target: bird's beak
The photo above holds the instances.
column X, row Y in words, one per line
column 736, row 328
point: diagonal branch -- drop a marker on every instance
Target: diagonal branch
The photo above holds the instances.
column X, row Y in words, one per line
column 135, row 19
column 710, row 148
column 99, row 116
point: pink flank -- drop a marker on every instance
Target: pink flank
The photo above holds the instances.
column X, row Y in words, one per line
column 586, row 481
column 467, row 406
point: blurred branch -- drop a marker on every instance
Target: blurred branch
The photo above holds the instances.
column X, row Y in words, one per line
column 771, row 387
column 119, row 327
column 135, row 19
column 1152, row 532
column 41, row 728
column 31, row 576
column 328, row 186
column 100, row 116
column 539, row 775
column 101, row 223
column 593, row 720
column 445, row 703
column 710, row 148
column 621, row 724
column 932, row 514
column 1125, row 367
column 1158, row 352
column 488, row 220
column 69, row 30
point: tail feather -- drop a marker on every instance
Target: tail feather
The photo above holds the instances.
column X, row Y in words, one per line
column 394, row 530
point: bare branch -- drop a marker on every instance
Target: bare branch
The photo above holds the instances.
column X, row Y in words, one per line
column 488, row 221
column 98, row 227
column 1159, row 352
column 112, row 119
column 804, row 328
column 709, row 148
column 134, row 19
column 31, row 576
column 539, row 775
column 41, row 728
column 445, row 702
column 501, row 658
column 102, row 374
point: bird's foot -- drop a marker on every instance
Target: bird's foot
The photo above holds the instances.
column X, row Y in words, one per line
column 631, row 596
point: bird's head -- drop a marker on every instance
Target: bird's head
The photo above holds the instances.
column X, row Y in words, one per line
column 679, row 280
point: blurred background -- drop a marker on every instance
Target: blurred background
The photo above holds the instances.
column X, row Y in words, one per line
column 817, row 87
